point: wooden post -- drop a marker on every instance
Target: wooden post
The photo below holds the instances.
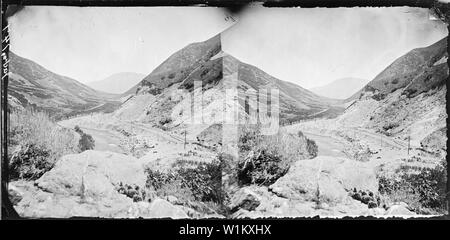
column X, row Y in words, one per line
column 185, row 139
column 409, row 139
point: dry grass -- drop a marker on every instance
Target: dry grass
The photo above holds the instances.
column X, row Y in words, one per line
column 266, row 158
column 290, row 146
column 32, row 128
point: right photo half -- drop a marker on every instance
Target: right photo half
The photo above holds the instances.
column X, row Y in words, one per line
column 341, row 111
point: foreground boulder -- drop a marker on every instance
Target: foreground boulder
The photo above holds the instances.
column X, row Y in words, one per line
column 160, row 208
column 92, row 174
column 271, row 205
column 245, row 199
column 85, row 185
column 325, row 179
column 400, row 209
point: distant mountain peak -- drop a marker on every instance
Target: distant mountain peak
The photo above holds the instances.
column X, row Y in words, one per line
column 341, row 88
column 117, row 83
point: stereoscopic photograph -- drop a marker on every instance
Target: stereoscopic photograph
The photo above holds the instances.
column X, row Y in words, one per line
column 194, row 112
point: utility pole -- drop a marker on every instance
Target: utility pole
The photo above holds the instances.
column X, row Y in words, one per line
column 409, row 140
column 185, row 139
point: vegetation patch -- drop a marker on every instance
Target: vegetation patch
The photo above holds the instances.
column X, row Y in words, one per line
column 200, row 183
column 35, row 143
column 86, row 141
column 423, row 189
column 266, row 158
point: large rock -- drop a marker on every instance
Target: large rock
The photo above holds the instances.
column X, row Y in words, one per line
column 160, row 208
column 40, row 204
column 325, row 179
column 15, row 194
column 400, row 209
column 83, row 185
column 271, row 206
column 246, row 199
column 93, row 174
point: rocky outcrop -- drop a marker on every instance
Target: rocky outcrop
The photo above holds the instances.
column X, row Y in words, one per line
column 92, row 174
column 85, row 185
column 245, row 199
column 400, row 209
column 325, row 179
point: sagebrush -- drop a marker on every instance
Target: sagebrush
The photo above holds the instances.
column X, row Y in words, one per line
column 265, row 158
column 423, row 189
column 35, row 143
column 200, row 183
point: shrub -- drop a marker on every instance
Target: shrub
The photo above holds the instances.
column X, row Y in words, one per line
column 312, row 148
column 132, row 191
column 164, row 120
column 424, row 188
column 35, row 141
column 268, row 157
column 86, row 142
column 78, row 129
column 201, row 183
column 30, row 162
column 205, row 181
column 261, row 167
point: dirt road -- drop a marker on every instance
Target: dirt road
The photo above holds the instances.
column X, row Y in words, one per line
column 328, row 146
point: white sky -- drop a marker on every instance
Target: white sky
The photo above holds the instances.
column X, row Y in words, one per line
column 90, row 44
column 309, row 47
column 312, row 47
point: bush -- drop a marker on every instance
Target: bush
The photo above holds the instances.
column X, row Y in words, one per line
column 261, row 167
column 86, row 142
column 30, row 162
column 312, row 148
column 78, row 129
column 36, row 142
column 265, row 158
column 132, row 191
column 422, row 189
column 205, row 181
column 201, row 183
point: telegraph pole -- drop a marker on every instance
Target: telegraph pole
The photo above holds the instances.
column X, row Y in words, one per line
column 185, row 139
column 409, row 140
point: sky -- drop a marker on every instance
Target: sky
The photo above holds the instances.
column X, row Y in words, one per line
column 90, row 44
column 309, row 47
column 312, row 47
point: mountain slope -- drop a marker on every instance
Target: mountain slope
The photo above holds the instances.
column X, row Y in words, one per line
column 31, row 85
column 417, row 71
column 169, row 88
column 407, row 99
column 117, row 83
column 341, row 88
column 178, row 66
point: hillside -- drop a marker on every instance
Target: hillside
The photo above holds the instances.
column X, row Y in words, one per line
column 341, row 88
column 417, row 71
column 407, row 99
column 31, row 85
column 172, row 84
column 117, row 83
